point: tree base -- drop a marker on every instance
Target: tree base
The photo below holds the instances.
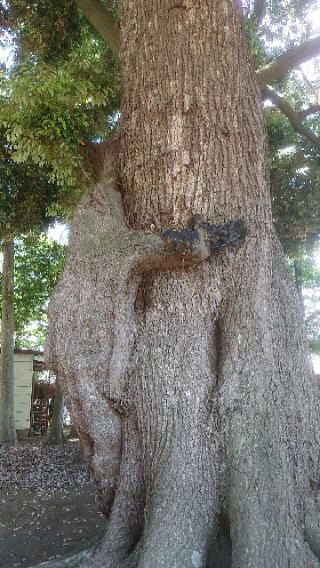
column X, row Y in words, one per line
column 74, row 561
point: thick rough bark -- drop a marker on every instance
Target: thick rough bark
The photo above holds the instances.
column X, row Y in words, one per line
column 189, row 382
column 7, row 423
column 56, row 435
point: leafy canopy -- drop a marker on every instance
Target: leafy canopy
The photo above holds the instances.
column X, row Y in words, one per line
column 38, row 264
column 53, row 112
column 26, row 196
column 295, row 185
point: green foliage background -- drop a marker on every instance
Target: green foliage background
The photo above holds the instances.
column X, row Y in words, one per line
column 38, row 265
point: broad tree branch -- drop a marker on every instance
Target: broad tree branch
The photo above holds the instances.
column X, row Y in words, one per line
column 308, row 82
column 102, row 21
column 312, row 109
column 259, row 11
column 288, row 60
column 291, row 115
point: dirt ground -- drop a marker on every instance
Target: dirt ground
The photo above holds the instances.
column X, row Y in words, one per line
column 47, row 505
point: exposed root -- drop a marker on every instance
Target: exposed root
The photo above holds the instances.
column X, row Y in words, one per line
column 77, row 560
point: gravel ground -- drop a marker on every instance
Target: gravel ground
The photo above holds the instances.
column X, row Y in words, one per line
column 43, row 470
column 47, row 505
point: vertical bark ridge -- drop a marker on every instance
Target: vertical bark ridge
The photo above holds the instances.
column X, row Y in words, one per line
column 126, row 520
column 269, row 459
column 193, row 144
column 180, row 438
column 196, row 145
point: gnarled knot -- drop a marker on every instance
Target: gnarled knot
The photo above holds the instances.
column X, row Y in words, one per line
column 201, row 239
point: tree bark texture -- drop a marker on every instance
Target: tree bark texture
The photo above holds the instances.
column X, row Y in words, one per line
column 186, row 372
column 56, row 435
column 7, row 423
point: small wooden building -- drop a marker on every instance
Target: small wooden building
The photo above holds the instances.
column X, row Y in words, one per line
column 25, row 364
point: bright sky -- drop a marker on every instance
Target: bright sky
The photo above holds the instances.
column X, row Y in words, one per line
column 59, row 233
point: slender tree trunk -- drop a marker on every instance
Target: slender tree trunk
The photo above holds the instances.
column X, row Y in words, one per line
column 189, row 382
column 56, row 436
column 7, row 423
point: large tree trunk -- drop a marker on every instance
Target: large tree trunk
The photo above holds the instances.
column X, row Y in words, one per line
column 7, row 423
column 189, row 382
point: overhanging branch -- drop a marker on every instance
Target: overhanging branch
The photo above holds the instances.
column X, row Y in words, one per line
column 102, row 21
column 289, row 60
column 292, row 116
column 312, row 109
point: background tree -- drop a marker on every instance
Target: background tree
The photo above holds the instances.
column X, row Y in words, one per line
column 55, row 106
column 7, row 425
column 208, row 450
column 295, row 185
column 37, row 267
column 38, row 264
column 56, row 435
column 26, row 197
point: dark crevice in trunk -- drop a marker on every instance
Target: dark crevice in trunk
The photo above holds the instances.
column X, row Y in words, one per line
column 216, row 358
column 219, row 352
column 220, row 552
column 88, row 444
column 142, row 300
